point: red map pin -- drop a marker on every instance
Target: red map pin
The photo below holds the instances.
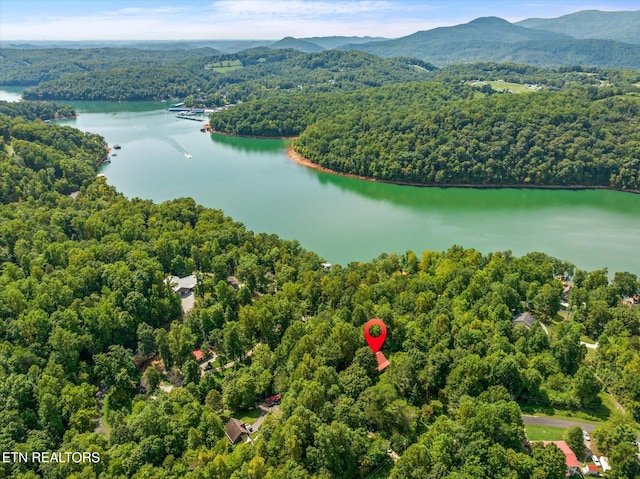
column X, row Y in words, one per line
column 375, row 343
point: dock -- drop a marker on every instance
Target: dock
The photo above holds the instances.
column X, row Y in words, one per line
column 191, row 115
column 182, row 108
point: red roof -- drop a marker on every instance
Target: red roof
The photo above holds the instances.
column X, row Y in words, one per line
column 592, row 467
column 198, row 354
column 570, row 458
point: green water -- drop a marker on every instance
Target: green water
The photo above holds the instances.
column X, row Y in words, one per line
column 345, row 219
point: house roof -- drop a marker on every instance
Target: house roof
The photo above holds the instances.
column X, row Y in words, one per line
column 235, row 428
column 198, row 354
column 187, row 282
column 526, row 319
column 570, row 458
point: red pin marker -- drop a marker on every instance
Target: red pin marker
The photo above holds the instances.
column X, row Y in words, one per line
column 375, row 343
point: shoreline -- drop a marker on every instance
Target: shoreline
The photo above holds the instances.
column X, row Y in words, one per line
column 104, row 157
column 301, row 160
column 224, row 133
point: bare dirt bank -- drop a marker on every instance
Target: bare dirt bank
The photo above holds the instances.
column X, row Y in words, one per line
column 301, row 160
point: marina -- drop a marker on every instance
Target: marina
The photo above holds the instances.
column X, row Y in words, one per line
column 191, row 115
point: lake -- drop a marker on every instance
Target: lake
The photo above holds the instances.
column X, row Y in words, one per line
column 345, row 219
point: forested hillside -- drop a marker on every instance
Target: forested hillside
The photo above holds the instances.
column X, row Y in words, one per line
column 222, row 79
column 495, row 39
column 84, row 306
column 453, row 134
column 620, row 26
column 30, row 66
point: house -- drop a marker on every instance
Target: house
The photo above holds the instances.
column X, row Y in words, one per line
column 183, row 286
column 590, row 470
column 233, row 282
column 235, row 430
column 570, row 459
column 526, row 319
column 198, row 355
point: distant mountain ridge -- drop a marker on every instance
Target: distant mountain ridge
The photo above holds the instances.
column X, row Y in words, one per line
column 495, row 39
column 589, row 38
column 331, row 43
column 595, row 24
column 297, row 44
column 318, row 44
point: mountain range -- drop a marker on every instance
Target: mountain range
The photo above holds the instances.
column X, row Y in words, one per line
column 619, row 26
column 587, row 38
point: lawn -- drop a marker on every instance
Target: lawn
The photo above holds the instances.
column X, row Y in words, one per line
column 224, row 66
column 106, row 412
column 544, row 433
column 249, row 416
column 593, row 416
column 499, row 86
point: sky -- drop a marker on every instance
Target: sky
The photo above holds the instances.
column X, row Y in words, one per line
column 75, row 20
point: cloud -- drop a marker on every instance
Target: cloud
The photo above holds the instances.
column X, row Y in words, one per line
column 132, row 11
column 296, row 8
column 224, row 19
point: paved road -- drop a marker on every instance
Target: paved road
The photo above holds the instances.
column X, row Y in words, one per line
column 563, row 423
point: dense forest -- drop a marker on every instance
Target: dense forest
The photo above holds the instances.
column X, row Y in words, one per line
column 454, row 134
column 221, row 79
column 30, row 66
column 91, row 338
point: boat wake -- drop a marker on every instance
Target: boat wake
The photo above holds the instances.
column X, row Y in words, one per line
column 177, row 146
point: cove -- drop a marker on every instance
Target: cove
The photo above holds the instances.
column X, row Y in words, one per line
column 346, row 219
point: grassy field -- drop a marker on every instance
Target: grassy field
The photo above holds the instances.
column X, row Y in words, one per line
column 594, row 416
column 587, row 339
column 249, row 417
column 499, row 86
column 544, row 433
column 224, row 66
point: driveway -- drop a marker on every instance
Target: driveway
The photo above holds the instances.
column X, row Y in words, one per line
column 203, row 365
column 187, row 303
column 264, row 410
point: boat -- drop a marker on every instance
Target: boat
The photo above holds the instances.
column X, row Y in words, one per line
column 116, row 147
column 114, row 154
column 107, row 160
column 188, row 155
column 189, row 115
